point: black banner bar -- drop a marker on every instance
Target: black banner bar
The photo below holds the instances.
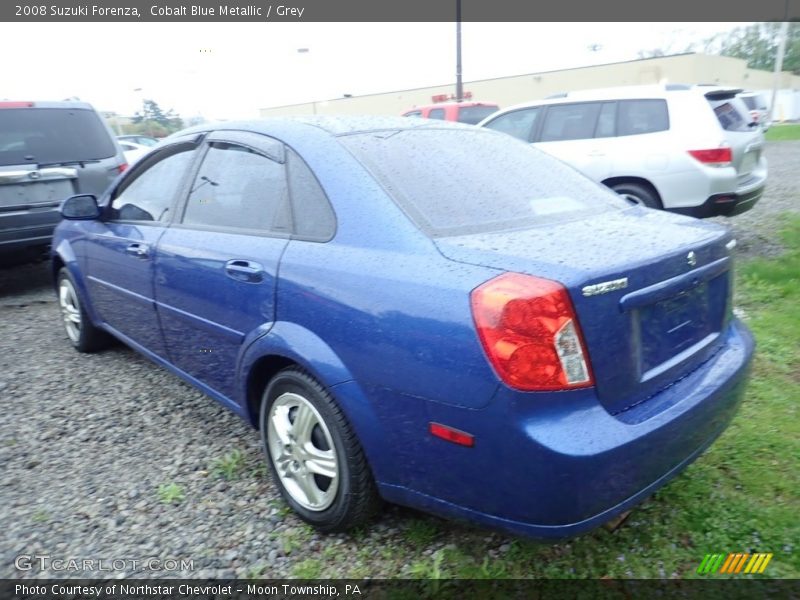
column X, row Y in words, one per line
column 396, row 11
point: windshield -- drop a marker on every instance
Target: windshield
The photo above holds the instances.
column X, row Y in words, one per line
column 52, row 135
column 459, row 181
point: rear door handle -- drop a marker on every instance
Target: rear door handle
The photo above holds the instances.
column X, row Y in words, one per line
column 139, row 250
column 244, row 270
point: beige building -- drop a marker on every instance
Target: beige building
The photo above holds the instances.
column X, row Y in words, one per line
column 680, row 68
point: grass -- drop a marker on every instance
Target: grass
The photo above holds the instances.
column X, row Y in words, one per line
column 740, row 496
column 783, row 132
column 170, row 493
column 229, row 466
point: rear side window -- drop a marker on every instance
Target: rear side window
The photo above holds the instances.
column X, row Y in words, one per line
column 519, row 123
column 312, row 214
column 472, row 115
column 570, row 122
column 436, row 113
column 475, row 181
column 642, row 116
column 52, row 135
column 732, row 114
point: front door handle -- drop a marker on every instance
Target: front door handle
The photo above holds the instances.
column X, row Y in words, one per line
column 138, row 250
column 244, row 270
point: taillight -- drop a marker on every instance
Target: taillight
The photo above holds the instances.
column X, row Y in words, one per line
column 713, row 157
column 530, row 333
column 123, row 167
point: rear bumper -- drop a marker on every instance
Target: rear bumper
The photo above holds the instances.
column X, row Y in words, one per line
column 557, row 466
column 27, row 229
column 725, row 205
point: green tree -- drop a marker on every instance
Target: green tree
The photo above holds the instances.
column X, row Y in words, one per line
column 758, row 45
column 153, row 120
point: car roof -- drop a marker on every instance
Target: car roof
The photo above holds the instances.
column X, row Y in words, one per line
column 332, row 125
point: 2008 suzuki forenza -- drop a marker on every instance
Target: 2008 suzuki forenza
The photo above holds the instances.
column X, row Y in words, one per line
column 432, row 314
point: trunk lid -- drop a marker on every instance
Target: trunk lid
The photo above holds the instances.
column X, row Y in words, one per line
column 24, row 187
column 641, row 337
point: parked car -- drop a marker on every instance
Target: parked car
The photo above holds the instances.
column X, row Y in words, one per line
column 48, row 151
column 142, row 140
column 133, row 151
column 757, row 105
column 691, row 150
column 462, row 112
column 485, row 334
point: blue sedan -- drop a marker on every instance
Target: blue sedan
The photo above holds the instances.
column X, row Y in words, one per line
column 426, row 313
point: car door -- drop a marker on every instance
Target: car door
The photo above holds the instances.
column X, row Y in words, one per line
column 216, row 267
column 119, row 248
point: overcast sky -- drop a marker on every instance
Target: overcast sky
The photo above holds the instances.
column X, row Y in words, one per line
column 230, row 70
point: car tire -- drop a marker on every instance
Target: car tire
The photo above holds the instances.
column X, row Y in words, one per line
column 638, row 193
column 82, row 333
column 313, row 454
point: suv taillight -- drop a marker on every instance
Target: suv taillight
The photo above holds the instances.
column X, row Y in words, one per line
column 530, row 333
column 714, row 157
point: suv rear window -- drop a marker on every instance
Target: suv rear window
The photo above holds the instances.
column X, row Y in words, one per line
column 456, row 181
column 732, row 114
column 52, row 135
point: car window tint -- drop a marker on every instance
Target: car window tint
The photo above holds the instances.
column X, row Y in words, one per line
column 607, row 120
column 313, row 216
column 237, row 187
column 52, row 135
column 519, row 123
column 472, row 115
column 570, row 122
column 732, row 114
column 642, row 116
column 149, row 196
column 436, row 113
column 473, row 181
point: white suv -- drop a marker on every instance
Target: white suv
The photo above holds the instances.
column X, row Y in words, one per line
column 688, row 149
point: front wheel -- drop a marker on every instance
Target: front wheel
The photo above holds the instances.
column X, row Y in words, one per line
column 85, row 337
column 313, row 454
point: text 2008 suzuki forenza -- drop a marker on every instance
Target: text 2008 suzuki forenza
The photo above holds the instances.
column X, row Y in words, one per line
column 433, row 314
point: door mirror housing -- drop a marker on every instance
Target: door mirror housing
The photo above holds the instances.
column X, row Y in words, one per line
column 82, row 207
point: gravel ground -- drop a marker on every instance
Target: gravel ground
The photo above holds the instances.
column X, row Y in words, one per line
column 86, row 441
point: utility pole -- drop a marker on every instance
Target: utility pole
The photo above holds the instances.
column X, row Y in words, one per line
column 778, row 66
column 459, row 84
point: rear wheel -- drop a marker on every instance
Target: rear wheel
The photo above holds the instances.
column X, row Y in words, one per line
column 638, row 193
column 313, row 454
column 85, row 337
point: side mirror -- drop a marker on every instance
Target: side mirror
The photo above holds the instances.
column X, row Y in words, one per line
column 82, row 207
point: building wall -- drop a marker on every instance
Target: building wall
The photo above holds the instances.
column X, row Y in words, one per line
column 681, row 68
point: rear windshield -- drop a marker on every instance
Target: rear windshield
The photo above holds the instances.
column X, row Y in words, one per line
column 457, row 181
column 732, row 114
column 472, row 115
column 52, row 135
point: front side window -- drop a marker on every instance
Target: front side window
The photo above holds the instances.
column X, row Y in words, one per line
column 519, row 123
column 570, row 122
column 239, row 188
column 149, row 195
column 436, row 113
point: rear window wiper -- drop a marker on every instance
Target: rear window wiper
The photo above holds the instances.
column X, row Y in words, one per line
column 64, row 163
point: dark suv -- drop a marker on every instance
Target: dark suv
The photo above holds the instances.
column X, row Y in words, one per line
column 48, row 151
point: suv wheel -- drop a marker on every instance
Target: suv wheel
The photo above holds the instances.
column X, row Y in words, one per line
column 638, row 194
column 314, row 455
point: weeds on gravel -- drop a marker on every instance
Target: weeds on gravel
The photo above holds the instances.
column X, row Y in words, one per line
column 310, row 568
column 229, row 466
column 170, row 493
column 421, row 532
